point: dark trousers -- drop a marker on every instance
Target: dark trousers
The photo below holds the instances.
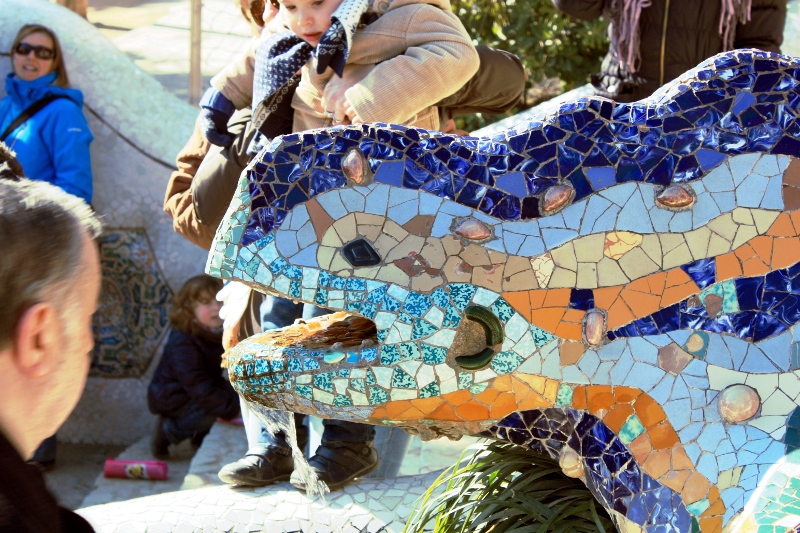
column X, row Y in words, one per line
column 335, row 432
column 188, row 422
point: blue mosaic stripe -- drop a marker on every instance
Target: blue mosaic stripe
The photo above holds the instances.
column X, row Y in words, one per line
column 740, row 102
column 767, row 305
column 612, row 474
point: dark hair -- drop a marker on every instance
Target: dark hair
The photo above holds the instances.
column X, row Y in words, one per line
column 197, row 290
column 58, row 61
column 10, row 169
column 41, row 229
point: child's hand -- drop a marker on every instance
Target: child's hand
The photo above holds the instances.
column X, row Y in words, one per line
column 351, row 113
column 334, row 101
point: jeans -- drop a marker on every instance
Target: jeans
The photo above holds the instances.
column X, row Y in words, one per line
column 278, row 313
column 190, row 421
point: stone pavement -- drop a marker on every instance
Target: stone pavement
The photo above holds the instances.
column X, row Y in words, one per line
column 155, row 35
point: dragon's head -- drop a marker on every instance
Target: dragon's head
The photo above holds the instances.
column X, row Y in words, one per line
column 612, row 284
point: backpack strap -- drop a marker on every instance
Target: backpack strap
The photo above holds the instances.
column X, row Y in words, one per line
column 28, row 112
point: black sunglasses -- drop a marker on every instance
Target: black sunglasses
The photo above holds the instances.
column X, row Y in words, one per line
column 41, row 52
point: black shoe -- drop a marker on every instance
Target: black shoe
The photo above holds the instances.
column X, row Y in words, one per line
column 160, row 445
column 258, row 469
column 338, row 465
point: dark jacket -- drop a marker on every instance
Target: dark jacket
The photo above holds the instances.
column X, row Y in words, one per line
column 189, row 371
column 26, row 506
column 690, row 36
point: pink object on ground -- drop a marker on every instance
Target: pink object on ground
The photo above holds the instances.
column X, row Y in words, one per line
column 156, row 470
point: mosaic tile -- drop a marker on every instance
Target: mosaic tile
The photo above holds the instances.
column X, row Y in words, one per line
column 625, row 289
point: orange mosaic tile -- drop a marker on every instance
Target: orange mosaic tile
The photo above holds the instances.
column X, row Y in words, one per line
column 557, row 298
column 444, row 412
column 795, row 216
column 640, row 447
column 657, row 463
column 786, row 253
column 641, row 303
column 458, row 397
column 675, row 480
column 547, row 318
column 755, row 267
column 569, row 330
column 696, row 488
column 537, row 297
column 600, row 399
column 648, row 411
column 782, row 227
column 711, row 525
column 487, row 396
column 520, row 389
column 605, row 297
column 503, row 383
column 379, row 413
column 393, row 409
column 626, row 394
column 663, row 436
column 520, row 301
column 472, row 410
column 617, row 416
column 680, row 459
column 579, row 400
column 537, row 383
column 573, row 315
column 411, row 413
column 534, row 400
column 619, row 314
column 504, row 405
column 728, row 267
column 427, row 405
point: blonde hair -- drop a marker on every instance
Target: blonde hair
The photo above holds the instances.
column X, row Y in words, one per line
column 58, row 60
column 196, row 291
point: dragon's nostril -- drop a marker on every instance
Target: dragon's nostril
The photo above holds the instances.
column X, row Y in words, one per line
column 360, row 253
column 493, row 331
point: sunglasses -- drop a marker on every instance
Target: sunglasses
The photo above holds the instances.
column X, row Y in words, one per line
column 41, row 52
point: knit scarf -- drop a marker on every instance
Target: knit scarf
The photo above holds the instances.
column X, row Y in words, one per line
column 624, row 29
column 280, row 57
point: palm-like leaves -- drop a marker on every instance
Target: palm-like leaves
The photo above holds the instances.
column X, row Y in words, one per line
column 505, row 488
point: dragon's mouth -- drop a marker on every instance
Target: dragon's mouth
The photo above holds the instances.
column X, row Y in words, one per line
column 336, row 331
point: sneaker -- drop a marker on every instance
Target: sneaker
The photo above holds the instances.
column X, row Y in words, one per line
column 160, row 445
column 339, row 464
column 258, row 469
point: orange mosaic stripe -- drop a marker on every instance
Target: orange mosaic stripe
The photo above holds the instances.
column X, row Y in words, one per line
column 549, row 310
column 658, row 450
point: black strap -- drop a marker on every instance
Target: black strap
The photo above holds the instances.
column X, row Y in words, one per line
column 29, row 111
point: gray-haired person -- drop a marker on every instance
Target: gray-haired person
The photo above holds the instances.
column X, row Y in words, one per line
column 49, row 283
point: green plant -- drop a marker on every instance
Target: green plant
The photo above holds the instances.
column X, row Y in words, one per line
column 504, row 488
column 549, row 43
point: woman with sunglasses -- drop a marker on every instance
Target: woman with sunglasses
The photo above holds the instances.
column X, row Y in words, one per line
column 41, row 120
column 41, row 117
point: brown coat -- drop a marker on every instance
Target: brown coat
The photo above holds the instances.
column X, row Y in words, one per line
column 422, row 53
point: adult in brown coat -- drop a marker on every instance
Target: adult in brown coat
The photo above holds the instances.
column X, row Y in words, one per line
column 655, row 41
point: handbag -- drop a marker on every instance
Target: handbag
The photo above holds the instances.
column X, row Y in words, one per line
column 28, row 112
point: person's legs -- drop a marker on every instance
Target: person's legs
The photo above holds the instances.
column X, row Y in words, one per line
column 346, row 452
column 269, row 461
column 189, row 422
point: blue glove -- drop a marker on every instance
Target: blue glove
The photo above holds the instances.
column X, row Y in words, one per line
column 216, row 111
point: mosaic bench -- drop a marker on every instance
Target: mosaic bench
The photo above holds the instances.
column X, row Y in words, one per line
column 613, row 285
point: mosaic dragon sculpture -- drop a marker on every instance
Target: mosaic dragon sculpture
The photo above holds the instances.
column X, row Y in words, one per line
column 614, row 285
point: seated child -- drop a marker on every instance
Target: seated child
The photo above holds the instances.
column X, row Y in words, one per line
column 188, row 391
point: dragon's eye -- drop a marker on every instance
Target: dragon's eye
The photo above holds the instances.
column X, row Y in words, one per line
column 360, row 253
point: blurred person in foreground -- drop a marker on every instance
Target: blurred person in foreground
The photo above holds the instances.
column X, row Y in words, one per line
column 49, row 284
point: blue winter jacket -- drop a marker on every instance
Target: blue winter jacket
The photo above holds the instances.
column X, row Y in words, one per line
column 53, row 145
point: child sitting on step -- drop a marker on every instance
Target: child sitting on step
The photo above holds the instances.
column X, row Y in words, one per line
column 188, row 390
